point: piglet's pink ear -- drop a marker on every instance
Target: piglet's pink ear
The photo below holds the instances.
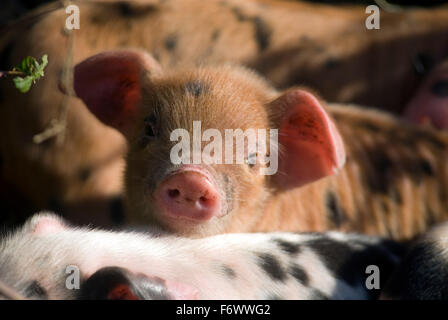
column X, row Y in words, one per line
column 44, row 223
column 110, row 85
column 311, row 146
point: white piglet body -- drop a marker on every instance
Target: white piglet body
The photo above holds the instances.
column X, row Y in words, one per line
column 34, row 261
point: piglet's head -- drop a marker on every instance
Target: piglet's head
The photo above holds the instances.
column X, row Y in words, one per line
column 127, row 90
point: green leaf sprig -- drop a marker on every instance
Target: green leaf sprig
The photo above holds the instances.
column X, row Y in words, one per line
column 32, row 71
column 27, row 72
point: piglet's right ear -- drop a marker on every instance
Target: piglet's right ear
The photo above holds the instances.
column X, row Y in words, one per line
column 110, row 85
column 312, row 145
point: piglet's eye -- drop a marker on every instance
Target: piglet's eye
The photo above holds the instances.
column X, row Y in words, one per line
column 251, row 160
column 150, row 127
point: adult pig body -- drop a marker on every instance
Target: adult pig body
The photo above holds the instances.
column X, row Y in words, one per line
column 85, row 171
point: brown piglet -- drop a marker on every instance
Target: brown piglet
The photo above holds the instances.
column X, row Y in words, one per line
column 393, row 183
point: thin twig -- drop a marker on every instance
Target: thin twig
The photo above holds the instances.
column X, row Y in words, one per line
column 12, row 73
column 57, row 127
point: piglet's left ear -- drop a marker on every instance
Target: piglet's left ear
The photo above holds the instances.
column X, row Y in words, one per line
column 310, row 144
column 110, row 84
column 45, row 222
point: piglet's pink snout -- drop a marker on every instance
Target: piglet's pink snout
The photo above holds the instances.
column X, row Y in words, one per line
column 188, row 195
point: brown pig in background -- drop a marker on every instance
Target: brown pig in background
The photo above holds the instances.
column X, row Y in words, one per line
column 393, row 184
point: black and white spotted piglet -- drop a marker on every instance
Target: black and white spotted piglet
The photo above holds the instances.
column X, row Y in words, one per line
column 125, row 265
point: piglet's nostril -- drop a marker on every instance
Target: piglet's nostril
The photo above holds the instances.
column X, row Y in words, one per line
column 173, row 193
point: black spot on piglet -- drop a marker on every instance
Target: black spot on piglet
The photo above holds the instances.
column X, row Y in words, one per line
column 131, row 10
column 84, row 174
column 422, row 63
column 299, row 274
column 287, row 246
column 335, row 255
column 116, row 210
column 331, row 63
column 271, row 266
column 427, row 167
column 263, row 33
column 216, row 34
column 336, row 214
column 229, row 272
column 171, row 42
column 196, row 87
column 240, row 16
column 35, row 291
column 440, row 88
